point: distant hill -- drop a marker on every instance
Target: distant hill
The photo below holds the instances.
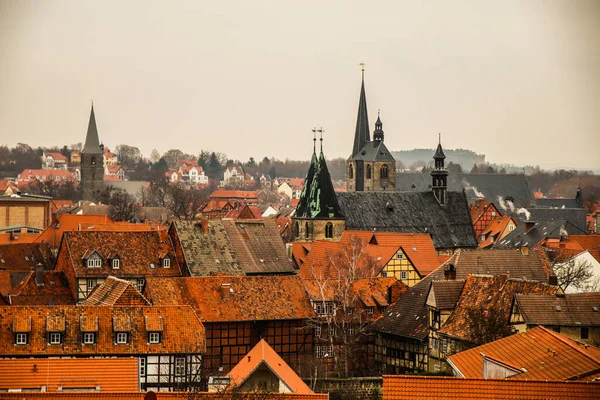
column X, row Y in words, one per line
column 466, row 158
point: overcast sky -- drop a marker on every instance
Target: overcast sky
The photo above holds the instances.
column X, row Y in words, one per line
column 516, row 80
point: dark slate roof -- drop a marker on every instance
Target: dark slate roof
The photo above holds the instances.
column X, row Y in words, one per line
column 408, row 316
column 490, row 185
column 439, row 152
column 447, row 293
column 210, row 253
column 375, row 151
column 318, row 197
column 361, row 134
column 411, row 212
column 576, row 216
column 557, row 203
column 303, row 203
column 92, row 143
column 541, row 230
column 577, row 309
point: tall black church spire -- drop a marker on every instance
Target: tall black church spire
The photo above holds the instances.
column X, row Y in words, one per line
column 361, row 135
column 92, row 142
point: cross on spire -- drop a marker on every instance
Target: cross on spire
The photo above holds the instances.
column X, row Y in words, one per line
column 362, row 68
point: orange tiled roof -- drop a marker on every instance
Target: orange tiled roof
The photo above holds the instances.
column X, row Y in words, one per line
column 495, row 228
column 162, row 396
column 107, row 374
column 217, row 205
column 479, row 207
column 111, row 178
column 183, row 332
column 25, row 256
column 300, row 250
column 31, row 174
column 491, row 294
column 56, row 155
column 263, row 354
column 234, row 194
column 140, row 253
column 69, row 222
column 53, row 291
column 399, row 387
column 115, row 292
column 244, row 212
column 417, row 247
column 248, row 298
column 588, row 242
column 294, row 202
column 539, row 353
column 333, row 260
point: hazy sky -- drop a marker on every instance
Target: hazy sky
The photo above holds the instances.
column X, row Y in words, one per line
column 516, row 80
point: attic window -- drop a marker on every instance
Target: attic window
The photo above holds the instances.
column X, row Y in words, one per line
column 166, row 262
column 399, row 256
column 116, row 263
column 595, row 308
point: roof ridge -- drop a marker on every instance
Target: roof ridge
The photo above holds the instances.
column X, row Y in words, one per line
column 569, row 343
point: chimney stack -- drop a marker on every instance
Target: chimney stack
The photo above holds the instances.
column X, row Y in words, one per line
column 225, row 291
column 450, row 272
column 39, row 274
column 529, row 225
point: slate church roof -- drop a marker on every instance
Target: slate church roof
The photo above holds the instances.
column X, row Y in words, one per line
column 489, row 185
column 411, row 212
column 92, row 143
column 318, row 198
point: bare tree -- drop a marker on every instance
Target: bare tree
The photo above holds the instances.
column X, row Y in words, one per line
column 577, row 274
column 185, row 201
column 122, row 205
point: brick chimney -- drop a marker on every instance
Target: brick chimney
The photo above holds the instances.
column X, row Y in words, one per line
column 39, row 274
column 529, row 225
column 450, row 272
column 226, row 291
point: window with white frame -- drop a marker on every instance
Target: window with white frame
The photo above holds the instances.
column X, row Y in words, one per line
column 511, row 227
column 403, row 274
column 139, row 284
column 21, row 338
column 116, row 263
column 122, row 337
column 153, row 337
column 89, row 338
column 94, row 262
column 325, row 308
column 55, row 338
column 166, row 262
column 324, row 351
column 142, row 367
column 91, row 283
column 318, row 331
column 370, row 310
column 179, row 366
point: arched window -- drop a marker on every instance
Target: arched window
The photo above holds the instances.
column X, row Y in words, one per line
column 368, row 172
column 93, row 160
column 384, row 172
column 350, row 172
column 329, row 230
column 306, row 232
column 296, row 229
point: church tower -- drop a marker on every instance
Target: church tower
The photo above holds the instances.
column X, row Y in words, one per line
column 318, row 214
column 92, row 163
column 439, row 175
column 371, row 167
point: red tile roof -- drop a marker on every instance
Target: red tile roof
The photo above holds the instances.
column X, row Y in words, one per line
column 247, row 298
column 453, row 388
column 492, row 294
column 417, row 247
column 56, row 155
column 115, row 292
column 53, row 291
column 46, row 174
column 183, row 332
column 69, row 222
column 104, row 374
column 162, row 396
column 263, row 354
column 140, row 253
column 494, row 229
column 539, row 353
column 233, row 194
column 25, row 256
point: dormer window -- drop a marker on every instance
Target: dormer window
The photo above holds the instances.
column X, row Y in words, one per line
column 370, row 310
column 154, row 337
column 116, row 263
column 94, row 260
column 21, row 338
column 55, row 338
column 166, row 262
column 122, row 337
column 89, row 338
